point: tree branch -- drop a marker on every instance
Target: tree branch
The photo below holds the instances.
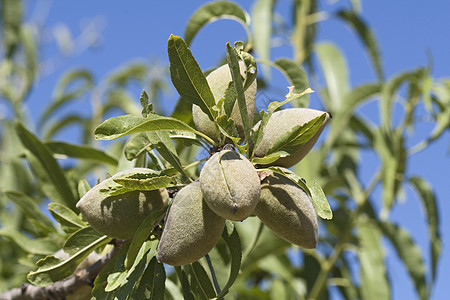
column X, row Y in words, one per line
column 60, row 289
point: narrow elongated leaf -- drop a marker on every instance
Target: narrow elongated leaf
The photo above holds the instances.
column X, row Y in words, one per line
column 231, row 238
column 83, row 188
column 130, row 285
column 69, row 221
column 290, row 96
column 139, row 182
column 49, row 169
column 202, row 279
column 161, row 141
column 185, row 287
column 389, row 90
column 262, row 30
column 211, row 12
column 81, row 151
column 428, row 199
column 39, row 246
column 335, row 71
column 270, row 158
column 296, row 76
column 29, row 206
column 356, row 97
column 136, row 145
column 410, row 255
column 320, row 202
column 79, row 245
column 116, row 127
column 374, row 284
column 367, row 37
column 29, row 45
column 188, row 78
column 390, row 147
column 233, row 64
column 141, row 235
column 152, row 283
column 172, row 290
column 63, row 97
column 101, row 281
column 292, row 140
column 60, row 124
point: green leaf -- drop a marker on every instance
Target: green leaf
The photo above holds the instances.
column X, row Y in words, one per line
column 202, row 280
column 229, row 99
column 292, row 140
column 389, row 90
column 320, row 202
column 69, row 221
column 374, row 284
column 101, row 281
column 213, row 11
column 262, row 30
column 231, row 238
column 258, row 134
column 188, row 78
column 227, row 127
column 116, row 127
column 290, row 96
column 296, row 76
column 83, row 188
column 267, row 244
column 46, row 167
column 62, row 96
column 390, row 147
column 147, row 107
column 354, row 98
column 185, row 287
column 410, row 254
column 161, row 141
column 60, row 124
column 30, row 47
column 38, row 246
column 366, row 36
column 30, row 207
column 139, row 182
column 335, row 72
column 152, row 283
column 429, row 201
column 314, row 190
column 78, row 246
column 141, row 235
column 136, row 145
column 270, row 158
column 183, row 111
column 172, row 290
column 81, row 151
column 233, row 64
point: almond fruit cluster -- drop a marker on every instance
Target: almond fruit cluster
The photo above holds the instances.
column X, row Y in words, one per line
column 229, row 188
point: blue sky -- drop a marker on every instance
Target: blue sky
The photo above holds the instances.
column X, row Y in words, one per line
column 408, row 32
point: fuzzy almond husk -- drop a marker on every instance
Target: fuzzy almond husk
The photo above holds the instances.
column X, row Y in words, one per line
column 191, row 230
column 119, row 216
column 287, row 210
column 282, row 122
column 230, row 185
column 218, row 81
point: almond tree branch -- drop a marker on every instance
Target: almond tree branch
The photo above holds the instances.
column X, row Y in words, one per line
column 60, row 289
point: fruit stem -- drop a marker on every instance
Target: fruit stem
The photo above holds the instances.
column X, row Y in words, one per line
column 213, row 274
